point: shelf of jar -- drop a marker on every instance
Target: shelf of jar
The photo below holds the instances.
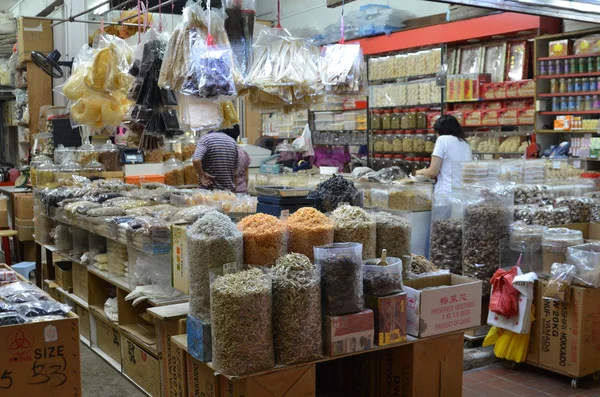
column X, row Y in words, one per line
column 565, row 94
column 512, row 98
column 568, row 57
column 567, row 131
column 557, row 76
column 582, row 112
column 497, row 126
column 428, row 106
column 402, row 79
column 341, row 130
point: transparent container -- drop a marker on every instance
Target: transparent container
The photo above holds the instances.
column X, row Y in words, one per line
column 525, row 243
column 92, row 169
column 386, row 120
column 34, row 165
column 426, row 162
column 388, row 142
column 86, row 153
column 408, row 142
column 61, row 153
column 419, row 141
column 555, row 242
column 378, row 138
column 108, row 156
column 422, row 118
column 397, row 142
column 45, row 174
column 67, row 170
column 407, row 165
column 376, row 119
column 188, row 147
column 173, row 171
column 411, row 119
column 388, row 161
column 377, row 162
column 419, row 163
column 399, row 161
column 395, row 121
column 429, row 142
column 173, row 148
column 190, row 177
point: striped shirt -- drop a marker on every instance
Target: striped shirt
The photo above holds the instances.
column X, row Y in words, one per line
column 219, row 155
column 244, row 163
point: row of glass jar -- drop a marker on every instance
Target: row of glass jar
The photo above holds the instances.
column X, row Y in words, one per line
column 339, row 138
column 46, row 172
column 569, row 66
column 408, row 164
column 398, row 119
column 575, row 103
column 419, row 141
column 562, row 86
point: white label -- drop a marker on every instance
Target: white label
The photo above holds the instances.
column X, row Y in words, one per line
column 556, row 165
column 50, row 333
column 577, row 163
column 229, row 268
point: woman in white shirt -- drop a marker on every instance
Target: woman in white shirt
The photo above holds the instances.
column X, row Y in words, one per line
column 450, row 146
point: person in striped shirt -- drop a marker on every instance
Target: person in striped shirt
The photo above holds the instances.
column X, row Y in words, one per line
column 216, row 161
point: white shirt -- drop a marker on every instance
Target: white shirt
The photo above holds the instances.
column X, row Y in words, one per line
column 449, row 148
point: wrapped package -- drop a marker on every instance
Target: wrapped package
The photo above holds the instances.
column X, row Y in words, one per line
column 239, row 26
column 586, row 259
column 343, row 69
column 559, row 284
column 555, row 242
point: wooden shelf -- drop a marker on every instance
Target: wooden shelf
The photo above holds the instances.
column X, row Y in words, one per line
column 568, row 57
column 565, row 94
column 581, row 112
column 566, row 132
column 560, row 76
column 516, row 98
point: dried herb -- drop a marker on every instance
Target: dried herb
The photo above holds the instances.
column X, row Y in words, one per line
column 382, row 280
column 308, row 228
column 446, row 244
column 420, row 265
column 393, row 234
column 353, row 224
column 241, row 322
column 337, row 189
column 296, row 310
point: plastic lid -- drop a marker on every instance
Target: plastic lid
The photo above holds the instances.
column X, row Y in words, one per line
column 399, row 156
column 419, row 159
column 48, row 166
column 589, row 174
column 378, row 111
column 388, row 156
column 87, row 147
column 388, row 111
column 397, row 110
column 94, row 166
column 562, row 233
column 109, row 146
column 409, row 159
column 379, row 156
column 70, row 165
column 420, row 131
column 172, row 162
column 426, row 158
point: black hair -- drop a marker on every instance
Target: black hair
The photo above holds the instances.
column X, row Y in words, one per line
column 449, row 125
column 233, row 132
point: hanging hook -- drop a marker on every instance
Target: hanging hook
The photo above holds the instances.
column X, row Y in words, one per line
column 342, row 24
column 278, row 14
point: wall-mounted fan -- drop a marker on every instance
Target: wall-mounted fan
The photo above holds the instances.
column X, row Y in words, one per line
column 51, row 64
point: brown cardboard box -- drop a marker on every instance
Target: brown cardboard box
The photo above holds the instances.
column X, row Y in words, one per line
column 298, row 381
column 34, row 352
column 84, row 320
column 3, row 211
column 34, row 35
column 533, row 350
column 455, row 305
column 390, row 317
column 427, row 368
column 569, row 333
column 24, row 228
column 28, row 251
column 179, row 258
column 361, row 375
column 80, row 281
column 63, row 272
column 201, row 379
column 23, row 205
column 141, row 367
column 108, row 338
column 348, row 333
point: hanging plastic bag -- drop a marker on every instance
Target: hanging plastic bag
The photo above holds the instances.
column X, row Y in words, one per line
column 303, row 143
column 559, row 285
column 343, row 69
column 505, row 298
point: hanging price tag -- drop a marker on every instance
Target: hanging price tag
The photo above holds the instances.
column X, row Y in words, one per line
column 556, row 164
column 577, row 164
column 229, row 268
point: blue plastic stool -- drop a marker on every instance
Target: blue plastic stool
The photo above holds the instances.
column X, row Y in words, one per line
column 24, row 268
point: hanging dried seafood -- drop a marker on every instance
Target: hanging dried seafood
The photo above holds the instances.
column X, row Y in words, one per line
column 343, row 69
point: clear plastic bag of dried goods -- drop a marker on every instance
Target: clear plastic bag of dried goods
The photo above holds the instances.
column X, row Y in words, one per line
column 296, row 310
column 241, row 301
column 265, row 239
column 533, row 194
column 20, row 292
column 308, row 228
column 341, row 277
column 343, row 69
column 41, row 308
column 525, row 213
column 394, row 230
column 525, row 247
column 586, row 259
column 353, row 224
column 335, row 190
column 12, row 318
column 559, row 284
column 555, row 242
column 579, row 207
column 445, row 249
column 382, row 280
column 239, row 26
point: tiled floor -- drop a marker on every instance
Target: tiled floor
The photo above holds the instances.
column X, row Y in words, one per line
column 500, row 381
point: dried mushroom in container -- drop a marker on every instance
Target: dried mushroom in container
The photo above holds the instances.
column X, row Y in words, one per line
column 296, row 310
column 341, row 278
column 578, row 206
column 353, row 224
column 241, row 321
column 213, row 240
column 382, row 280
column 445, row 249
column 265, row 239
column 335, row 190
column 308, row 228
column 393, row 234
column 533, row 194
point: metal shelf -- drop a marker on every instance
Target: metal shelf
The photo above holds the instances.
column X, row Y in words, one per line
column 567, row 132
column 558, row 76
column 582, row 112
column 566, row 94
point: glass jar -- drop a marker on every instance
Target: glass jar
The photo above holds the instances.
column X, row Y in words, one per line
column 411, row 119
column 573, row 65
column 419, row 141
column 583, row 65
column 395, row 121
column 188, row 146
column 378, row 141
column 61, row 154
column 93, row 169
column 376, row 119
column 386, row 120
column 173, row 171
column 562, row 86
column 34, row 165
column 564, row 104
column 45, row 174
column 587, row 103
column 418, row 163
column 404, row 119
column 67, row 169
column 377, row 162
column 591, row 64
column 172, row 149
column 570, row 104
column 408, row 142
column 86, row 153
column 570, row 85
column 388, row 142
column 556, row 104
column 388, row 161
column 554, row 86
column 579, row 104
column 551, row 68
column 429, row 142
column 398, row 137
column 560, row 69
column 566, row 67
column 190, row 177
column 543, row 71
column 426, row 162
column 577, row 86
column 595, row 102
column 399, row 161
column 593, row 84
column 585, row 84
column 108, row 156
column 422, row 118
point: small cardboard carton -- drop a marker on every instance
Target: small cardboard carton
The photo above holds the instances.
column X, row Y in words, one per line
column 24, row 228
column 201, row 379
column 179, row 258
column 199, row 339
column 80, row 281
column 64, row 275
column 141, row 367
column 299, row 381
column 348, row 333
column 390, row 317
column 34, row 35
column 23, row 205
column 441, row 304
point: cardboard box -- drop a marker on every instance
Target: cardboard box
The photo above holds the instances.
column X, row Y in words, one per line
column 63, row 272
column 361, row 375
column 28, row 251
column 108, row 338
column 179, row 258
column 298, row 381
column 533, row 349
column 199, row 339
column 348, row 333
column 201, row 379
column 38, row 351
column 51, row 288
column 455, row 305
column 569, row 333
column 34, row 35
column 390, row 318
column 429, row 368
column 80, row 281
column 3, row 211
column 23, row 205
column 558, row 48
column 24, row 228
column 84, row 319
column 141, row 367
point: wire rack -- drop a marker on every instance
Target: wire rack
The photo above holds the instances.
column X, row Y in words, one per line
column 7, row 42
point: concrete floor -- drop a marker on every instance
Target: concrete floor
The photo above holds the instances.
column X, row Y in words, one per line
column 100, row 379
